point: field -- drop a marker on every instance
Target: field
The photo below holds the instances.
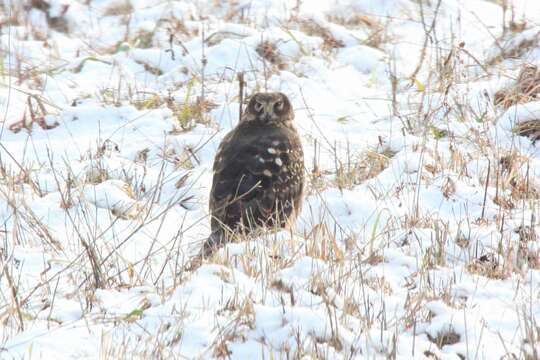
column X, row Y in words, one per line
column 419, row 234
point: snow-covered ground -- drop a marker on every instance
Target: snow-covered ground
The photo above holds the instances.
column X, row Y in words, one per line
column 418, row 237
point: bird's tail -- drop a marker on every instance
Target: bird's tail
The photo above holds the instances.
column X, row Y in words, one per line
column 210, row 245
column 214, row 241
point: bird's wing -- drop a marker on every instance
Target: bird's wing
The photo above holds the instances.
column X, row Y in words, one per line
column 249, row 179
column 238, row 182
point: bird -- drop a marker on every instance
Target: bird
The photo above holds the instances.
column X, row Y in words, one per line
column 258, row 172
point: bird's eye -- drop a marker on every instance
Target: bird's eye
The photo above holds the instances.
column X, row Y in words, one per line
column 279, row 105
column 258, row 106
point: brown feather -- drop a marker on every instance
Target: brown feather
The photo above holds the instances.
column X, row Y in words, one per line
column 258, row 172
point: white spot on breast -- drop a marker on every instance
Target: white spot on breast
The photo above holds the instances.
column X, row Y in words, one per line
column 267, row 173
column 279, row 162
column 260, row 159
column 272, row 150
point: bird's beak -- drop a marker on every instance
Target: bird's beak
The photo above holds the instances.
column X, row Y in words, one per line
column 267, row 111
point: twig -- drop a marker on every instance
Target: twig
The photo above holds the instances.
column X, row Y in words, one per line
column 241, row 84
column 485, row 190
column 14, row 295
column 204, row 61
column 427, row 36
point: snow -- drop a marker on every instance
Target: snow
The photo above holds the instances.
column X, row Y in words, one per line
column 415, row 224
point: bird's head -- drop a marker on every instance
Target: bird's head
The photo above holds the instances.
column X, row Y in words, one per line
column 269, row 108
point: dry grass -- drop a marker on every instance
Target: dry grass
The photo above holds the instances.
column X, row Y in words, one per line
column 445, row 338
column 312, row 28
column 118, row 8
column 348, row 255
column 488, row 266
column 525, row 89
column 269, row 52
column 369, row 165
column 515, row 50
column 376, row 27
column 530, row 129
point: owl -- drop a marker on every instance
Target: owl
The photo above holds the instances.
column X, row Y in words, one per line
column 258, row 176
